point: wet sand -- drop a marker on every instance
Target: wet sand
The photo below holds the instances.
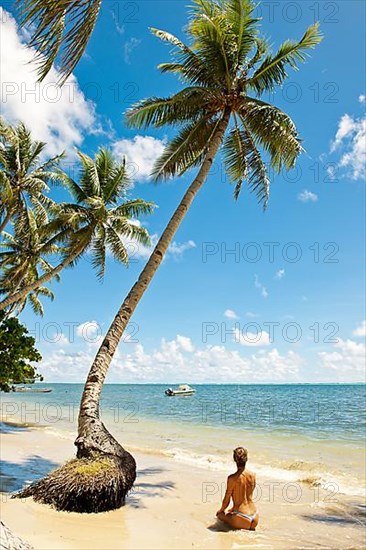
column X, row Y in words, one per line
column 172, row 505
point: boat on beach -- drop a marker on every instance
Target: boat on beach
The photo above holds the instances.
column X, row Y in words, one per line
column 183, row 389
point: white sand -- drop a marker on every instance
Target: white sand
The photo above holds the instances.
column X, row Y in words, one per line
column 173, row 505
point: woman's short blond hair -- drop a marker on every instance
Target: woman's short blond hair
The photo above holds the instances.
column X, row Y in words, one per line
column 240, row 456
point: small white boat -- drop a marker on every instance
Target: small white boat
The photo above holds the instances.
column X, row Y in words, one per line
column 183, row 389
column 23, row 389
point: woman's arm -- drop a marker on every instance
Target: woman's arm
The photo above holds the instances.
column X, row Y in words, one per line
column 227, row 497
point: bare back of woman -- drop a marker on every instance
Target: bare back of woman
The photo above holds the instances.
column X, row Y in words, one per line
column 240, row 487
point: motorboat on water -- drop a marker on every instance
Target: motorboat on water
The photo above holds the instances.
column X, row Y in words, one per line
column 24, row 389
column 183, row 389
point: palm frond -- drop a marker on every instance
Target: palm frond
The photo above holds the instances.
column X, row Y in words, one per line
column 193, row 68
column 243, row 26
column 104, row 163
column 186, row 105
column 262, row 47
column 36, row 304
column 61, row 27
column 89, row 177
column 129, row 231
column 273, row 69
column 235, row 160
column 117, row 183
column 116, row 244
column 186, row 149
column 98, row 251
column 211, row 33
column 274, row 131
column 255, row 169
column 134, row 209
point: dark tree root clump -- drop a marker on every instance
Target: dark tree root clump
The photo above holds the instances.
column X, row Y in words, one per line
column 97, row 483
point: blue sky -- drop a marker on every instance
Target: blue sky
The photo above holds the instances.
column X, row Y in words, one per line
column 287, row 304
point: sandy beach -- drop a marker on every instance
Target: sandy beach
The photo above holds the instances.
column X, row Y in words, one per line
column 173, row 505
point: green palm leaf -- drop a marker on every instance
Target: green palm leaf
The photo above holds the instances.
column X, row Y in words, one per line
column 273, row 69
column 133, row 209
column 186, row 105
column 98, row 251
column 63, row 27
column 193, row 68
column 243, row 26
column 186, row 149
column 249, row 166
column 235, row 160
column 274, row 131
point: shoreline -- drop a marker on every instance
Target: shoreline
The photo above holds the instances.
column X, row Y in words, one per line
column 172, row 505
column 286, row 456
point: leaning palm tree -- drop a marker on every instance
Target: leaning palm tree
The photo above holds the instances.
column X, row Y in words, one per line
column 223, row 63
column 24, row 177
column 95, row 223
column 59, row 27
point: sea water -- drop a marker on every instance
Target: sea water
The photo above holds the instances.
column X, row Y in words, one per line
column 301, row 432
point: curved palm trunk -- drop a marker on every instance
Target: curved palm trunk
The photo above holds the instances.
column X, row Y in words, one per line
column 19, row 295
column 92, row 434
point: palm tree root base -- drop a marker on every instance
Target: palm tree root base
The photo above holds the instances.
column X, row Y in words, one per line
column 85, row 485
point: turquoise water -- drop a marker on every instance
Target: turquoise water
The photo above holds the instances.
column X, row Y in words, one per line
column 320, row 411
column 292, row 431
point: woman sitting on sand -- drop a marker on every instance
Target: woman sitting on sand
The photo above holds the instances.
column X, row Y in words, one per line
column 240, row 487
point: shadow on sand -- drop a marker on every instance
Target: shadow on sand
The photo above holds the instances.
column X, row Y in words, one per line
column 220, row 527
column 11, row 428
column 14, row 476
column 148, row 489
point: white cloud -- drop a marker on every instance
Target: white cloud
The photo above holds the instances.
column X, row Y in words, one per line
column 58, row 116
column 176, row 249
column 137, row 251
column 285, row 367
column 141, row 152
column 230, row 314
column 347, row 361
column 351, row 139
column 90, row 332
column 361, row 330
column 129, row 46
column 176, row 361
column 345, row 128
column 280, row 274
column 252, row 315
column 62, row 340
column 362, row 98
column 259, row 339
column 115, row 15
column 307, row 196
column 260, row 286
column 185, row 343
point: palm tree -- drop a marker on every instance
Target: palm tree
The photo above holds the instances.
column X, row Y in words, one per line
column 95, row 223
column 25, row 253
column 24, row 178
column 221, row 65
column 64, row 27
column 225, row 60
